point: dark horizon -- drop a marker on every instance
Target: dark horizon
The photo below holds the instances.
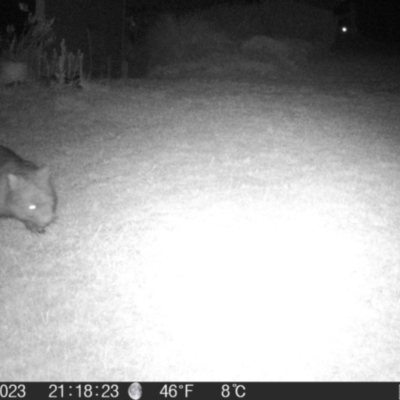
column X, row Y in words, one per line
column 376, row 19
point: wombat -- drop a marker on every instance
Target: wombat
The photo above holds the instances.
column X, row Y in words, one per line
column 26, row 192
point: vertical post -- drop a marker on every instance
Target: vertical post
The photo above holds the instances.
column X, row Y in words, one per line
column 40, row 9
column 353, row 18
column 124, row 66
column 109, row 68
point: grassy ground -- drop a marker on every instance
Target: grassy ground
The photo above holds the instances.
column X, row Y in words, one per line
column 208, row 230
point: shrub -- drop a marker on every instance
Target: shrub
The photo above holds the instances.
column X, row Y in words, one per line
column 35, row 38
column 188, row 38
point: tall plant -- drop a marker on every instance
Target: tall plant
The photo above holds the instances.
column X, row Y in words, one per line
column 37, row 35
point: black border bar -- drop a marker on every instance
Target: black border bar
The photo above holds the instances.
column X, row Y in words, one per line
column 200, row 390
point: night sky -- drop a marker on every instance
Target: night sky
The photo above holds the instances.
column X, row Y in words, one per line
column 377, row 18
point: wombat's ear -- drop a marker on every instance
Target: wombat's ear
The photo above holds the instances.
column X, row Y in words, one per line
column 13, row 181
column 43, row 173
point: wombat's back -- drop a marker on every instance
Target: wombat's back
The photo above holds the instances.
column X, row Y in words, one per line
column 12, row 162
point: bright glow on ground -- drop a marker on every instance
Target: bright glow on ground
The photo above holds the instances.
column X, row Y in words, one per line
column 253, row 287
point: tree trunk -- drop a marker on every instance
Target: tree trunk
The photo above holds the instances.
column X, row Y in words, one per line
column 40, row 9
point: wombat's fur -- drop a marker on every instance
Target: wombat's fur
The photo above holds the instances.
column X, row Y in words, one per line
column 26, row 192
